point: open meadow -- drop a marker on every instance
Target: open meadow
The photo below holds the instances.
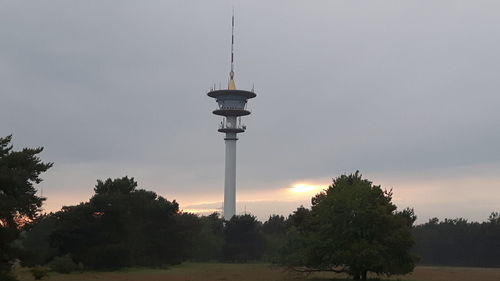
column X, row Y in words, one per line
column 258, row 272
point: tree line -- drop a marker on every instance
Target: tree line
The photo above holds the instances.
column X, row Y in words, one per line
column 351, row 227
column 123, row 226
column 458, row 242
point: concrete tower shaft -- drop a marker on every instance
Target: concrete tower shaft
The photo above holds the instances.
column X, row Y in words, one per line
column 230, row 176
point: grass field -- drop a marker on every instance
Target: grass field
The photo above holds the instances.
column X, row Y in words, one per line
column 256, row 272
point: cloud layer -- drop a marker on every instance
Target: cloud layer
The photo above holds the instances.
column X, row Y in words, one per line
column 400, row 91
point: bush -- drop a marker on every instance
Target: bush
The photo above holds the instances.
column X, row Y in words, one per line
column 109, row 257
column 39, row 272
column 4, row 276
column 35, row 242
column 64, row 264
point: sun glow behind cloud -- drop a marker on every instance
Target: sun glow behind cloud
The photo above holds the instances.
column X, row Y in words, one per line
column 306, row 188
column 202, row 211
column 280, row 200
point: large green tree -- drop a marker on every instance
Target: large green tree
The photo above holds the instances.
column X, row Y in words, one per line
column 353, row 227
column 124, row 226
column 19, row 173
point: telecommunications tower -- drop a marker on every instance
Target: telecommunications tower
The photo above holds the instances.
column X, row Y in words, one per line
column 232, row 104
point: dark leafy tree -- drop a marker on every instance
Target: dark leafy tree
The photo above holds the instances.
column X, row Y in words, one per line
column 34, row 241
column 293, row 253
column 208, row 245
column 243, row 240
column 19, row 173
column 353, row 227
column 276, row 224
column 187, row 229
column 124, row 226
column 274, row 231
column 299, row 219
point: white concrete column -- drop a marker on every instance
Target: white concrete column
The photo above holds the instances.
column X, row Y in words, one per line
column 230, row 176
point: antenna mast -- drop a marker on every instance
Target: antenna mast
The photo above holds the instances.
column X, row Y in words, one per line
column 231, row 74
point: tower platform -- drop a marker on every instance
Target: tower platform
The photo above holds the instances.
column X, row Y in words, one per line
column 223, row 94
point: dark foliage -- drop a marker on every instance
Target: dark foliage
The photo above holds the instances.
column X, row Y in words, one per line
column 123, row 226
column 457, row 242
column 299, row 219
column 7, row 276
column 274, row 231
column 276, row 224
column 19, row 172
column 35, row 243
column 39, row 272
column 208, row 244
column 243, row 240
column 64, row 264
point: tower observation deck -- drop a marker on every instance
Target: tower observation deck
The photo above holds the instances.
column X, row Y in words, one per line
column 232, row 105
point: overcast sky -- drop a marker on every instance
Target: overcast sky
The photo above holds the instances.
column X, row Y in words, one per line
column 407, row 92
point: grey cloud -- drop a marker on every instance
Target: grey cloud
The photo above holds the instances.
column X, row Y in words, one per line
column 382, row 87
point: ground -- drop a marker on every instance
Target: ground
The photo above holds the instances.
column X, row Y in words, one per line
column 257, row 272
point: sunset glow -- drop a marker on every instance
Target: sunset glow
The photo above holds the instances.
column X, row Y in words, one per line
column 305, row 188
column 201, row 211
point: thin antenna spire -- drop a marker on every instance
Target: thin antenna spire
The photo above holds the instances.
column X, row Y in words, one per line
column 231, row 74
column 232, row 85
